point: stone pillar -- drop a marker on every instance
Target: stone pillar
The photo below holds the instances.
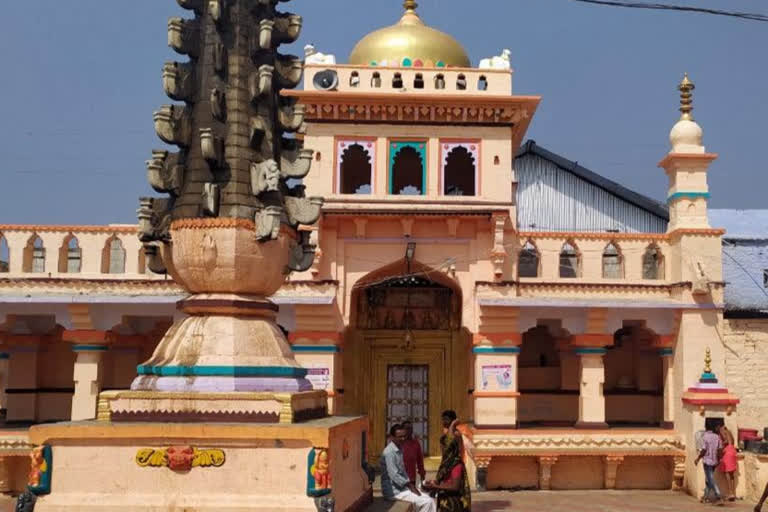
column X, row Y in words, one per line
column 495, row 395
column 545, row 472
column 591, row 379
column 611, row 467
column 668, row 415
column 87, row 376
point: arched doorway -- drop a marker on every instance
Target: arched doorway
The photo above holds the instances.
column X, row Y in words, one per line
column 405, row 354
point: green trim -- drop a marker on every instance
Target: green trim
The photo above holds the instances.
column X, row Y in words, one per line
column 591, row 351
column 687, row 195
column 316, row 348
column 666, row 351
column 420, row 146
column 89, row 348
column 495, row 350
column 222, row 371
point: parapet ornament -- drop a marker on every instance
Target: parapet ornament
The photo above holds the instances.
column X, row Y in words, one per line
column 180, row 458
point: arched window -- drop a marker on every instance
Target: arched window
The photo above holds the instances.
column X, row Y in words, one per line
column 376, row 80
column 355, row 167
column 418, row 82
column 407, row 174
column 482, row 84
column 34, row 255
column 70, row 256
column 528, row 261
column 569, row 261
column 440, row 81
column 113, row 257
column 612, row 262
column 5, row 255
column 653, row 263
column 460, row 169
column 397, row 81
column 354, row 79
column 461, row 83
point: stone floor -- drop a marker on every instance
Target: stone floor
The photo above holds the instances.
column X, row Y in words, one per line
column 579, row 501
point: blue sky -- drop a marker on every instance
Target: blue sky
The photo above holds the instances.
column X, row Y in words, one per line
column 81, row 80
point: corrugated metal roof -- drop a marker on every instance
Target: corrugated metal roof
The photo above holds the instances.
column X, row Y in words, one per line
column 555, row 194
column 639, row 200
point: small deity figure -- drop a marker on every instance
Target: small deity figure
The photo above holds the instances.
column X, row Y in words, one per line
column 271, row 176
column 37, row 467
column 180, row 458
column 320, row 470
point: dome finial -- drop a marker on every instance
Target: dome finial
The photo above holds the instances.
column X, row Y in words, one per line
column 708, row 361
column 686, row 88
column 410, row 5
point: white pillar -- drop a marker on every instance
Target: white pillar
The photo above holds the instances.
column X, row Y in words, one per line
column 495, row 393
column 668, row 373
column 87, row 377
column 591, row 381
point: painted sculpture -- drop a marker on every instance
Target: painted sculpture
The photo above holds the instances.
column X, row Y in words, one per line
column 40, row 467
column 180, row 458
column 229, row 226
column 319, row 474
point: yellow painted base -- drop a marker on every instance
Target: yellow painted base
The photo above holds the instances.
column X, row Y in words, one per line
column 102, row 466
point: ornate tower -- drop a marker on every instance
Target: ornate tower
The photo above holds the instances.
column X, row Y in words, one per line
column 228, row 231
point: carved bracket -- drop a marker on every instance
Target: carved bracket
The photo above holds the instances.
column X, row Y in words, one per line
column 218, row 104
column 296, row 164
column 265, row 177
column 184, row 36
column 165, row 172
column 173, row 124
column 154, row 219
column 611, row 467
column 179, row 81
column 268, row 222
column 260, row 82
column 545, row 472
column 180, row 458
column 303, row 210
column 291, row 118
column 212, row 147
column 287, row 28
column 289, row 69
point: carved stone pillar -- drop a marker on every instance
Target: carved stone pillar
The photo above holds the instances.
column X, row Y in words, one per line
column 87, row 376
column 481, row 465
column 545, row 472
column 591, row 381
column 668, row 416
column 678, row 474
column 611, row 466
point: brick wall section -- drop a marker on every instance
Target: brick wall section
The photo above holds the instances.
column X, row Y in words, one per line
column 746, row 362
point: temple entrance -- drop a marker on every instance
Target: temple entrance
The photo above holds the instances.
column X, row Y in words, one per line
column 408, row 399
column 406, row 357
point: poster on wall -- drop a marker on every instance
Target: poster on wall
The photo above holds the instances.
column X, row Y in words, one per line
column 497, row 377
column 320, row 377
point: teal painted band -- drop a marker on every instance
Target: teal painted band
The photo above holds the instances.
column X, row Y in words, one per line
column 316, row 348
column 89, row 348
column 708, row 375
column 591, row 351
column 5, row 355
column 666, row 352
column 687, row 195
column 495, row 350
column 222, row 371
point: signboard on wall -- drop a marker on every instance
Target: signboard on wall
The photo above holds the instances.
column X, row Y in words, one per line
column 497, row 377
column 320, row 377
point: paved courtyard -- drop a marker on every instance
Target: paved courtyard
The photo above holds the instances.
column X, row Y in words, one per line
column 594, row 501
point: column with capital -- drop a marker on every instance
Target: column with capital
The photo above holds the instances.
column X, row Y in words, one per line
column 668, row 373
column 495, row 393
column 89, row 347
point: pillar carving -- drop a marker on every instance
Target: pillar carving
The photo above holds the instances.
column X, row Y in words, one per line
column 499, row 252
column 611, row 467
column 545, row 472
column 591, row 381
column 668, row 372
column 678, row 474
column 481, row 466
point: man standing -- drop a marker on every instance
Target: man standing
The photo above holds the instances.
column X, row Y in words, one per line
column 413, row 457
column 709, row 453
column 395, row 484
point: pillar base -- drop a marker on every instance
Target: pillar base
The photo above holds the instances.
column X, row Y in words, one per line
column 591, row 425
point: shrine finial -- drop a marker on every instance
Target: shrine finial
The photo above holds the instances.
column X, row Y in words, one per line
column 686, row 88
column 708, row 362
column 410, row 5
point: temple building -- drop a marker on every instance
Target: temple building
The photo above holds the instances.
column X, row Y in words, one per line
column 565, row 318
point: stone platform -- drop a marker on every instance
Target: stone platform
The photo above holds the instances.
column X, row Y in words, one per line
column 102, row 466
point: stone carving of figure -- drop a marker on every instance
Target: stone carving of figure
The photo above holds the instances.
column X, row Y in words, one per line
column 320, row 470
column 37, row 466
column 180, row 458
column 271, row 176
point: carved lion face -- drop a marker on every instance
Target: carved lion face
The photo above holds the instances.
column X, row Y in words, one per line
column 180, row 457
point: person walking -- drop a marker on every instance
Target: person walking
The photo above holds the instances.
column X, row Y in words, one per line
column 395, row 484
column 729, row 463
column 413, row 456
column 451, row 487
column 759, row 506
column 709, row 454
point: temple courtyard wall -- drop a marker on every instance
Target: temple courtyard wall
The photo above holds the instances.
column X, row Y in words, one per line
column 746, row 362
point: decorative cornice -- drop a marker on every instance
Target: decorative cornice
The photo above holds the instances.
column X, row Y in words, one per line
column 213, row 222
column 576, row 284
column 686, row 158
column 41, row 228
column 588, row 442
column 606, row 236
column 687, row 195
column 76, row 286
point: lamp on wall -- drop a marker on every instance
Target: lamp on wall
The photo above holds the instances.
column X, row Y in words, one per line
column 410, row 251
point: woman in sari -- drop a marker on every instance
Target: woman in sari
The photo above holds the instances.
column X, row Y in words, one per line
column 451, row 487
column 729, row 462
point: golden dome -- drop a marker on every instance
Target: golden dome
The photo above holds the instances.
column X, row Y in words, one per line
column 409, row 43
